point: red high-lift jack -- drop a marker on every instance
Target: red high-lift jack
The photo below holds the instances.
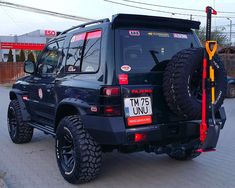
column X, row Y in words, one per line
column 209, row 128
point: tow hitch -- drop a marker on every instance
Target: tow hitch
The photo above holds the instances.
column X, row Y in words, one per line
column 209, row 127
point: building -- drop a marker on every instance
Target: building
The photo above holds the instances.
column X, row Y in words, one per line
column 29, row 42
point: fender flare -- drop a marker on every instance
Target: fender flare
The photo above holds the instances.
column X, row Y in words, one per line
column 17, row 94
column 80, row 106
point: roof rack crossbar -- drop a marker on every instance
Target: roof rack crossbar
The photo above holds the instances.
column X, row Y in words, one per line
column 85, row 24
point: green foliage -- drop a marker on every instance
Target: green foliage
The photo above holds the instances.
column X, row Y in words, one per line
column 216, row 34
column 22, row 56
column 10, row 56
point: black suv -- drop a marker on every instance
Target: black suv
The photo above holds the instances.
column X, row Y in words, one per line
column 130, row 84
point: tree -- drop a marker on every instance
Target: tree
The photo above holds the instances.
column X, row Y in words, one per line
column 22, row 56
column 10, row 56
column 216, row 34
column 31, row 57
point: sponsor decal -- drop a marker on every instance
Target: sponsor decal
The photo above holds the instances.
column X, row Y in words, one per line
column 131, row 121
column 78, row 37
column 180, row 36
column 71, row 68
column 134, row 33
column 123, row 79
column 158, row 34
column 89, row 69
column 40, row 93
column 94, row 108
column 125, row 68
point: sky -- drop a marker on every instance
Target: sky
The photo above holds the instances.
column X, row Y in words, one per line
column 15, row 21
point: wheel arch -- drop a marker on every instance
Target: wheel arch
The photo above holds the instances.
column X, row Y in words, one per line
column 16, row 94
column 68, row 107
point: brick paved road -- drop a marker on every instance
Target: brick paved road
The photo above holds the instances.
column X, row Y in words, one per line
column 34, row 164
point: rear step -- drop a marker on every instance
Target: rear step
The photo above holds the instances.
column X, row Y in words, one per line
column 46, row 129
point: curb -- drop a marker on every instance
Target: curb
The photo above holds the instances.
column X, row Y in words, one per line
column 3, row 184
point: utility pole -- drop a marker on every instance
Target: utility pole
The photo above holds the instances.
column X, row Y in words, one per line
column 191, row 17
column 230, row 30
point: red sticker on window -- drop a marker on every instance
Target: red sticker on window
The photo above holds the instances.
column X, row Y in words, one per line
column 93, row 34
column 134, row 33
column 123, row 79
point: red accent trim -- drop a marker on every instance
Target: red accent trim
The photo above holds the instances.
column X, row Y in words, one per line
column 21, row 46
column 213, row 11
column 203, row 150
column 203, row 126
column 123, row 79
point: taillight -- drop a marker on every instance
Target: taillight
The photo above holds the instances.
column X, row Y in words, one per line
column 111, row 91
column 111, row 101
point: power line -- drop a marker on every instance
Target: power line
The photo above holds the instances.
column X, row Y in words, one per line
column 41, row 11
column 154, row 10
column 162, row 11
column 171, row 7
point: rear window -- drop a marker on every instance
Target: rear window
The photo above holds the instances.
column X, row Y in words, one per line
column 143, row 50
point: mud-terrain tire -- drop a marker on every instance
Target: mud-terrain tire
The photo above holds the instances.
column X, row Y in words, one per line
column 18, row 130
column 185, row 155
column 182, row 82
column 78, row 155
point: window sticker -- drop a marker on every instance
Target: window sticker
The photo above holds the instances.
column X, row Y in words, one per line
column 89, row 68
column 135, row 33
column 78, row 37
column 159, row 34
column 125, row 68
column 40, row 93
column 71, row 68
column 180, row 36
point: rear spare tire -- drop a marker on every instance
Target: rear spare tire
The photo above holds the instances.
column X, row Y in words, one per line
column 182, row 82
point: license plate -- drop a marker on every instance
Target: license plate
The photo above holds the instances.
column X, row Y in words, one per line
column 138, row 106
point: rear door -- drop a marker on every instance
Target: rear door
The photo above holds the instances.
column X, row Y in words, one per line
column 141, row 57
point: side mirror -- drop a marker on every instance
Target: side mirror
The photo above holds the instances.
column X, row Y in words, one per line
column 29, row 67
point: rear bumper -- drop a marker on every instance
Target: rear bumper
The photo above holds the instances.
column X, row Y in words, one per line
column 112, row 131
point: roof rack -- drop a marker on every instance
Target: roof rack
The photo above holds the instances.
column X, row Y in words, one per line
column 85, row 24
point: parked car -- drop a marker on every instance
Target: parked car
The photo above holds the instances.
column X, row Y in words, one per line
column 130, row 84
column 230, row 87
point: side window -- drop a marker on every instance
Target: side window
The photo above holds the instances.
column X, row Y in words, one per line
column 74, row 54
column 91, row 56
column 84, row 52
column 48, row 60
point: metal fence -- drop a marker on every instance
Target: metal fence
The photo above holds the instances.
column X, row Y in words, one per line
column 229, row 62
column 9, row 72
